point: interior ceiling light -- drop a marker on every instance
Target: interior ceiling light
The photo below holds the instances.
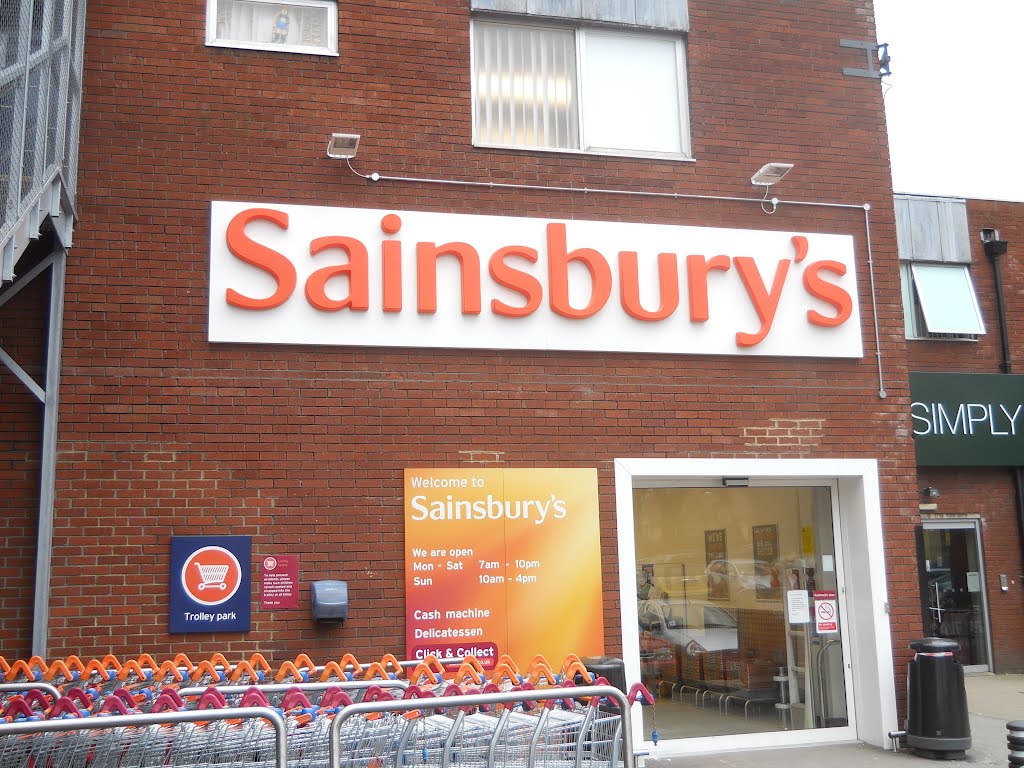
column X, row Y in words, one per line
column 770, row 173
column 343, row 146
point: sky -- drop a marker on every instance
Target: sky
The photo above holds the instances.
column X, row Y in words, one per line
column 955, row 99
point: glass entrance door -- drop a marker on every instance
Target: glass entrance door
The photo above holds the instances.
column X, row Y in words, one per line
column 740, row 610
column 952, row 582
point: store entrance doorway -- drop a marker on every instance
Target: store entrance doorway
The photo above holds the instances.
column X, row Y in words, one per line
column 952, row 588
column 740, row 609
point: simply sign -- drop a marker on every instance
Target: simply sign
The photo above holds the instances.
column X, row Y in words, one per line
column 968, row 419
column 210, row 584
column 292, row 274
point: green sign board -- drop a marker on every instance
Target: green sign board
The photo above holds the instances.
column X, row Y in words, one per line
column 967, row 419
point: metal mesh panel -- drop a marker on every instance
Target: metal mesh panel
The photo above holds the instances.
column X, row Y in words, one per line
column 40, row 98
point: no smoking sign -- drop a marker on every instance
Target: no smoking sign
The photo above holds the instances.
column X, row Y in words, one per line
column 826, row 612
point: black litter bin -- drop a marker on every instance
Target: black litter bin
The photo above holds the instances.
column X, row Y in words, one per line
column 937, row 724
column 612, row 670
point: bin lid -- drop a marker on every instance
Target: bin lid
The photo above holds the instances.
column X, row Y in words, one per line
column 934, row 645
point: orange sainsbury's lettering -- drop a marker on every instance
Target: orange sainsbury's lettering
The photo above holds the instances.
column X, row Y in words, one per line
column 513, row 279
column 697, row 269
column 391, row 264
column 517, row 276
column 629, row 286
column 357, row 270
column 248, row 250
column 427, row 255
column 827, row 292
column 765, row 302
column 558, row 275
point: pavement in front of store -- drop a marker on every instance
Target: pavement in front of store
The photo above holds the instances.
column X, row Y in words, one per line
column 992, row 700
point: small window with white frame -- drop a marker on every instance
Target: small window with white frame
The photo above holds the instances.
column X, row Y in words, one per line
column 579, row 89
column 939, row 300
column 294, row 26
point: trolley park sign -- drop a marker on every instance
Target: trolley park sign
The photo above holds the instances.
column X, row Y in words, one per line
column 290, row 274
column 968, row 419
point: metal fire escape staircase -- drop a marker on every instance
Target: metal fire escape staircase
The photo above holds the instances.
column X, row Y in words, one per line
column 41, row 45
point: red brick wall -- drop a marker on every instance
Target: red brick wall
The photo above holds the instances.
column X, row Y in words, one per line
column 988, row 493
column 23, row 337
column 303, row 448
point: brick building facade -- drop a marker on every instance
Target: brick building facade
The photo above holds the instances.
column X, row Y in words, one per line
column 303, row 446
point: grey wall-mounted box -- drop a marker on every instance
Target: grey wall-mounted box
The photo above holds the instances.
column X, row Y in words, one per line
column 330, row 600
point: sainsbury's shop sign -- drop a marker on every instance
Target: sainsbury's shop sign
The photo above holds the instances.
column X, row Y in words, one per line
column 291, row 274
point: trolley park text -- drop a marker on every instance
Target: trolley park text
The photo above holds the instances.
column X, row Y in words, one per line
column 202, row 616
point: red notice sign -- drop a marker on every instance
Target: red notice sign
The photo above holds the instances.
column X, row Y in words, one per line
column 826, row 611
column 280, row 578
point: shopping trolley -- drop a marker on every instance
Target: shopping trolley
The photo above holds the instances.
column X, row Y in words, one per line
column 153, row 720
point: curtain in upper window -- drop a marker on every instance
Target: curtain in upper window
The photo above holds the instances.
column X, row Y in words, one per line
column 299, row 27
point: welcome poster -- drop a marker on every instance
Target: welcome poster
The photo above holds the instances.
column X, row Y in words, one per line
column 503, row 561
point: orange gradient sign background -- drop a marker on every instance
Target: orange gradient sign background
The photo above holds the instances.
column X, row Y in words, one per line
column 503, row 561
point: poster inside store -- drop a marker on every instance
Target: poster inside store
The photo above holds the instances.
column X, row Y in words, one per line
column 503, row 561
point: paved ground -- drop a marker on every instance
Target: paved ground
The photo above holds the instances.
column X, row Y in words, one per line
column 993, row 700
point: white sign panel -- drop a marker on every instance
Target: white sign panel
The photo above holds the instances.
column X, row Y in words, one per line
column 292, row 274
column 799, row 606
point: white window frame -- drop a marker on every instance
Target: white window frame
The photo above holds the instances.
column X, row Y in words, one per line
column 920, row 322
column 331, row 33
column 580, row 33
column 932, row 305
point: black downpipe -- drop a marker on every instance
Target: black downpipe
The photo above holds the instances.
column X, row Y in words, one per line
column 1018, row 485
column 995, row 249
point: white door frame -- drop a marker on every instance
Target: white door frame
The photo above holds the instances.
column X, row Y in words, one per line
column 859, row 532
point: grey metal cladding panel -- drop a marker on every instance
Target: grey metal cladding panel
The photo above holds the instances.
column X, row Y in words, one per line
column 663, row 14
column 620, row 11
column 510, row 6
column 956, row 239
column 563, row 9
column 925, row 230
column 904, row 230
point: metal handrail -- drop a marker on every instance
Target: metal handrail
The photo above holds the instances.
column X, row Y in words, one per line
column 821, row 677
column 163, row 718
column 30, row 686
column 345, row 685
column 477, row 699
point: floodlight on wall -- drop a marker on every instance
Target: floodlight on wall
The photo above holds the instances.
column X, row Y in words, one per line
column 770, row 173
column 343, row 146
column 931, row 492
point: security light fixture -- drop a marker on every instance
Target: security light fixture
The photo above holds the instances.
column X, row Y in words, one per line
column 931, row 492
column 343, row 146
column 770, row 173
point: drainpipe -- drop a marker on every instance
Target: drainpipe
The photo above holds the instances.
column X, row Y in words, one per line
column 995, row 249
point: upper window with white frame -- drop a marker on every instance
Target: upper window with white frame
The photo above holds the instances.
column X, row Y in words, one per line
column 293, row 26
column 939, row 300
column 575, row 88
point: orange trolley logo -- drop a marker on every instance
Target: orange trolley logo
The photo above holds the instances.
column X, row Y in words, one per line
column 211, row 575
